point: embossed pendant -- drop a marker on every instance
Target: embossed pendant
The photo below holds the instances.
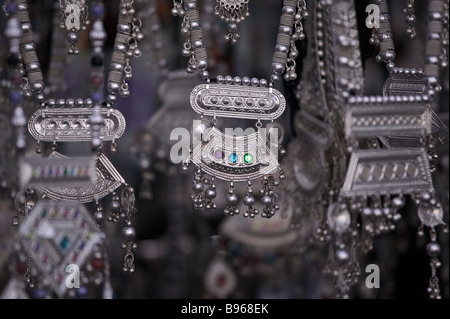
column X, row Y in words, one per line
column 57, row 234
column 232, row 155
column 104, row 181
column 73, row 125
column 232, row 12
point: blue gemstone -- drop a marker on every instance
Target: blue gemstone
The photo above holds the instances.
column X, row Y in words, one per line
column 82, row 245
column 11, row 7
column 82, row 291
column 76, row 215
column 16, row 97
column 38, row 246
column 64, row 243
column 233, row 158
column 97, row 97
column 39, row 293
column 97, row 11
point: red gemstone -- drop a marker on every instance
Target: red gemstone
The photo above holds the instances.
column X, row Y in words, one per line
column 97, row 263
column 21, row 268
column 97, row 81
column 221, row 280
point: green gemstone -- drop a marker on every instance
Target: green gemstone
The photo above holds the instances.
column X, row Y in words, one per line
column 248, row 158
column 64, row 242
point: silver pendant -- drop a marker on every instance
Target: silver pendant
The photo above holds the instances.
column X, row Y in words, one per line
column 238, row 101
column 235, row 158
column 405, row 82
column 232, row 12
column 42, row 172
column 387, row 171
column 72, row 125
column 56, row 234
column 385, row 116
column 106, row 180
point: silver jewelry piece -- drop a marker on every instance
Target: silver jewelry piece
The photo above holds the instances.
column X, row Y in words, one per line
column 232, row 12
column 72, row 125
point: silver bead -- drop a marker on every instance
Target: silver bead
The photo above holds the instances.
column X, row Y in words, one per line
column 245, row 81
column 186, row 52
column 232, row 199
column 79, row 102
column 33, row 67
column 128, row 232
column 278, row 68
column 249, row 200
column 433, row 249
column 194, row 25
column 237, row 80
column 72, row 37
column 254, row 81
column 111, row 98
column 288, row 10
column 398, row 202
column 432, row 59
column 70, row 102
column 27, row 47
column 98, row 216
column 232, row 27
column 205, row 75
column 117, row 67
column 341, row 256
column 410, row 19
column 263, row 82
column 285, row 30
column 37, row 87
column 281, row 48
column 198, row 44
column 197, row 187
column 113, row 87
column 210, row 194
column 367, row 211
column 190, row 5
column 274, row 78
column 220, row 79
column 388, row 56
column 120, row 47
column 266, row 200
column 88, row 102
column 123, row 28
column 228, row 79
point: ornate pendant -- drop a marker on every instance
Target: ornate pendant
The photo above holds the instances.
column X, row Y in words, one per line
column 232, row 12
column 235, row 155
column 57, row 234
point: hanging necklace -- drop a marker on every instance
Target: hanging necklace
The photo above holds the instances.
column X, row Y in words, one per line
column 79, row 120
column 377, row 179
column 230, row 157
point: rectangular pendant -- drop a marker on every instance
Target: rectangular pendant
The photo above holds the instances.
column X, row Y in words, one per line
column 72, row 125
column 388, row 117
column 387, row 171
column 237, row 101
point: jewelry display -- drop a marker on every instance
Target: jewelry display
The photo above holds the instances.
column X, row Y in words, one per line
column 76, row 120
column 320, row 127
column 238, row 158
